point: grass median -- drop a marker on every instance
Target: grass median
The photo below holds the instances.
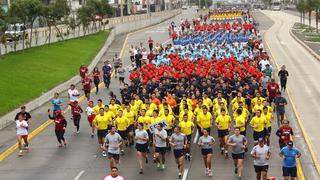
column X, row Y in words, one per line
column 27, row 74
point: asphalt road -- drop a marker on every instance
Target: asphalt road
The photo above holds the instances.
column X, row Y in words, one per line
column 82, row 157
column 303, row 83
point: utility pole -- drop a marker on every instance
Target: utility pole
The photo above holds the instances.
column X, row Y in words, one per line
column 121, row 9
column 148, row 8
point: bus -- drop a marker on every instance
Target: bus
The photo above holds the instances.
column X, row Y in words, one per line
column 276, row 5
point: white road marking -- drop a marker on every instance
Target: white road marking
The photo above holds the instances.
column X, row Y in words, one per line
column 185, row 174
column 168, row 40
column 79, row 175
column 196, row 138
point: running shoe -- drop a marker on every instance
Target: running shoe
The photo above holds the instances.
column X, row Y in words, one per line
column 180, row 175
column 163, row 167
column 20, row 153
column 141, row 171
column 236, row 170
column 209, row 173
column 92, row 135
column 158, row 165
column 104, row 154
column 147, row 160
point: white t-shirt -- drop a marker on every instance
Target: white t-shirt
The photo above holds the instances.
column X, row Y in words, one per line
column 22, row 127
column 261, row 153
column 73, row 94
column 114, row 178
column 89, row 111
column 263, row 64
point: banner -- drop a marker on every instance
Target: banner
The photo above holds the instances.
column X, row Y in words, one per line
column 153, row 127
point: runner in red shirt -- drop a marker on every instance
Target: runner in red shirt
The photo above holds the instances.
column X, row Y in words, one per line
column 83, row 70
column 86, row 82
column 76, row 111
column 284, row 133
column 60, row 126
column 272, row 90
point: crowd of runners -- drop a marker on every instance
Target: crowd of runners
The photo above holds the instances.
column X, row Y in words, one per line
column 215, row 78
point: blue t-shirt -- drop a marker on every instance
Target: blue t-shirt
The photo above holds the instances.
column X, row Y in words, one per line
column 289, row 156
column 55, row 102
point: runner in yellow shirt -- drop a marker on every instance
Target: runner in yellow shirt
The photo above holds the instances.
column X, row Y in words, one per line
column 223, row 123
column 258, row 124
column 146, row 120
column 257, row 106
column 100, row 122
column 204, row 121
column 188, row 112
column 155, row 117
column 130, row 115
column 122, row 124
column 240, row 121
column 206, row 100
column 187, row 129
column 170, row 121
column 269, row 122
column 97, row 107
column 114, row 107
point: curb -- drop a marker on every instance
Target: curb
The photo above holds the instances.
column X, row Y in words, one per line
column 314, row 54
column 118, row 29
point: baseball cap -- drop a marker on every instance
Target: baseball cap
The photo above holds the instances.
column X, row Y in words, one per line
column 290, row 143
column 58, row 111
column 260, row 140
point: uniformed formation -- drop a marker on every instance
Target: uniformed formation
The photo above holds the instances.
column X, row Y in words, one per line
column 214, row 78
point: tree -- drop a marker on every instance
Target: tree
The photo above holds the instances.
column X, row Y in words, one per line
column 301, row 6
column 84, row 16
column 19, row 13
column 100, row 8
column 53, row 13
column 310, row 7
column 34, row 10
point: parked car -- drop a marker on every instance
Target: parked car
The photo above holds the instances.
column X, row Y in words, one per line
column 16, row 32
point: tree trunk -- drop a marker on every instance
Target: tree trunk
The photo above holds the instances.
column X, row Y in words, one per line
column 317, row 19
column 309, row 18
column 49, row 34
column 31, row 29
column 301, row 17
column 23, row 38
column 303, row 14
column 58, row 30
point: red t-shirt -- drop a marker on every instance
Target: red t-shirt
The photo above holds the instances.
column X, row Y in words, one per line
column 273, row 88
column 284, row 134
column 86, row 84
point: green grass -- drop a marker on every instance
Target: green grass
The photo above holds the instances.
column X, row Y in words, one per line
column 315, row 39
column 27, row 74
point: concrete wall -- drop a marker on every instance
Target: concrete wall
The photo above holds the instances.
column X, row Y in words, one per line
column 127, row 26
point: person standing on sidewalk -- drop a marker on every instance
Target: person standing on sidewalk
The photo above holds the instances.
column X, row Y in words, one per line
column 261, row 154
column 106, row 69
column 283, row 75
column 289, row 154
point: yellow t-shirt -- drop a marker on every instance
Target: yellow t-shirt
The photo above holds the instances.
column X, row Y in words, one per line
column 135, row 109
column 114, row 108
column 186, row 127
column 259, row 122
column 215, row 101
column 268, row 117
column 223, row 121
column 240, row 120
column 122, row 123
column 254, row 101
column 96, row 109
column 190, row 116
column 257, row 107
column 138, row 103
column 102, row 121
column 161, row 110
column 169, row 119
column 146, row 120
column 149, row 112
column 154, row 120
column 198, row 110
column 207, row 102
column 204, row 119
column 129, row 116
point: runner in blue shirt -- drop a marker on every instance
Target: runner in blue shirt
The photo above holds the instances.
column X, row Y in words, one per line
column 289, row 155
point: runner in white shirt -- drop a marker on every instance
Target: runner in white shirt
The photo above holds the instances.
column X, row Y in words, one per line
column 114, row 175
column 90, row 116
column 73, row 93
column 22, row 133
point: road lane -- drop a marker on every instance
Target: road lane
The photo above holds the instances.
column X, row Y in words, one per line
column 303, row 83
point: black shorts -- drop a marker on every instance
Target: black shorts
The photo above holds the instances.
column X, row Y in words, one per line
column 259, row 169
column 113, row 156
column 223, row 133
column 178, row 153
column 131, row 128
column 102, row 133
column 142, row 147
column 289, row 171
column 257, row 135
column 205, row 152
column 160, row 150
column 267, row 131
column 121, row 78
column 123, row 134
column 189, row 137
column 238, row 156
column 86, row 91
